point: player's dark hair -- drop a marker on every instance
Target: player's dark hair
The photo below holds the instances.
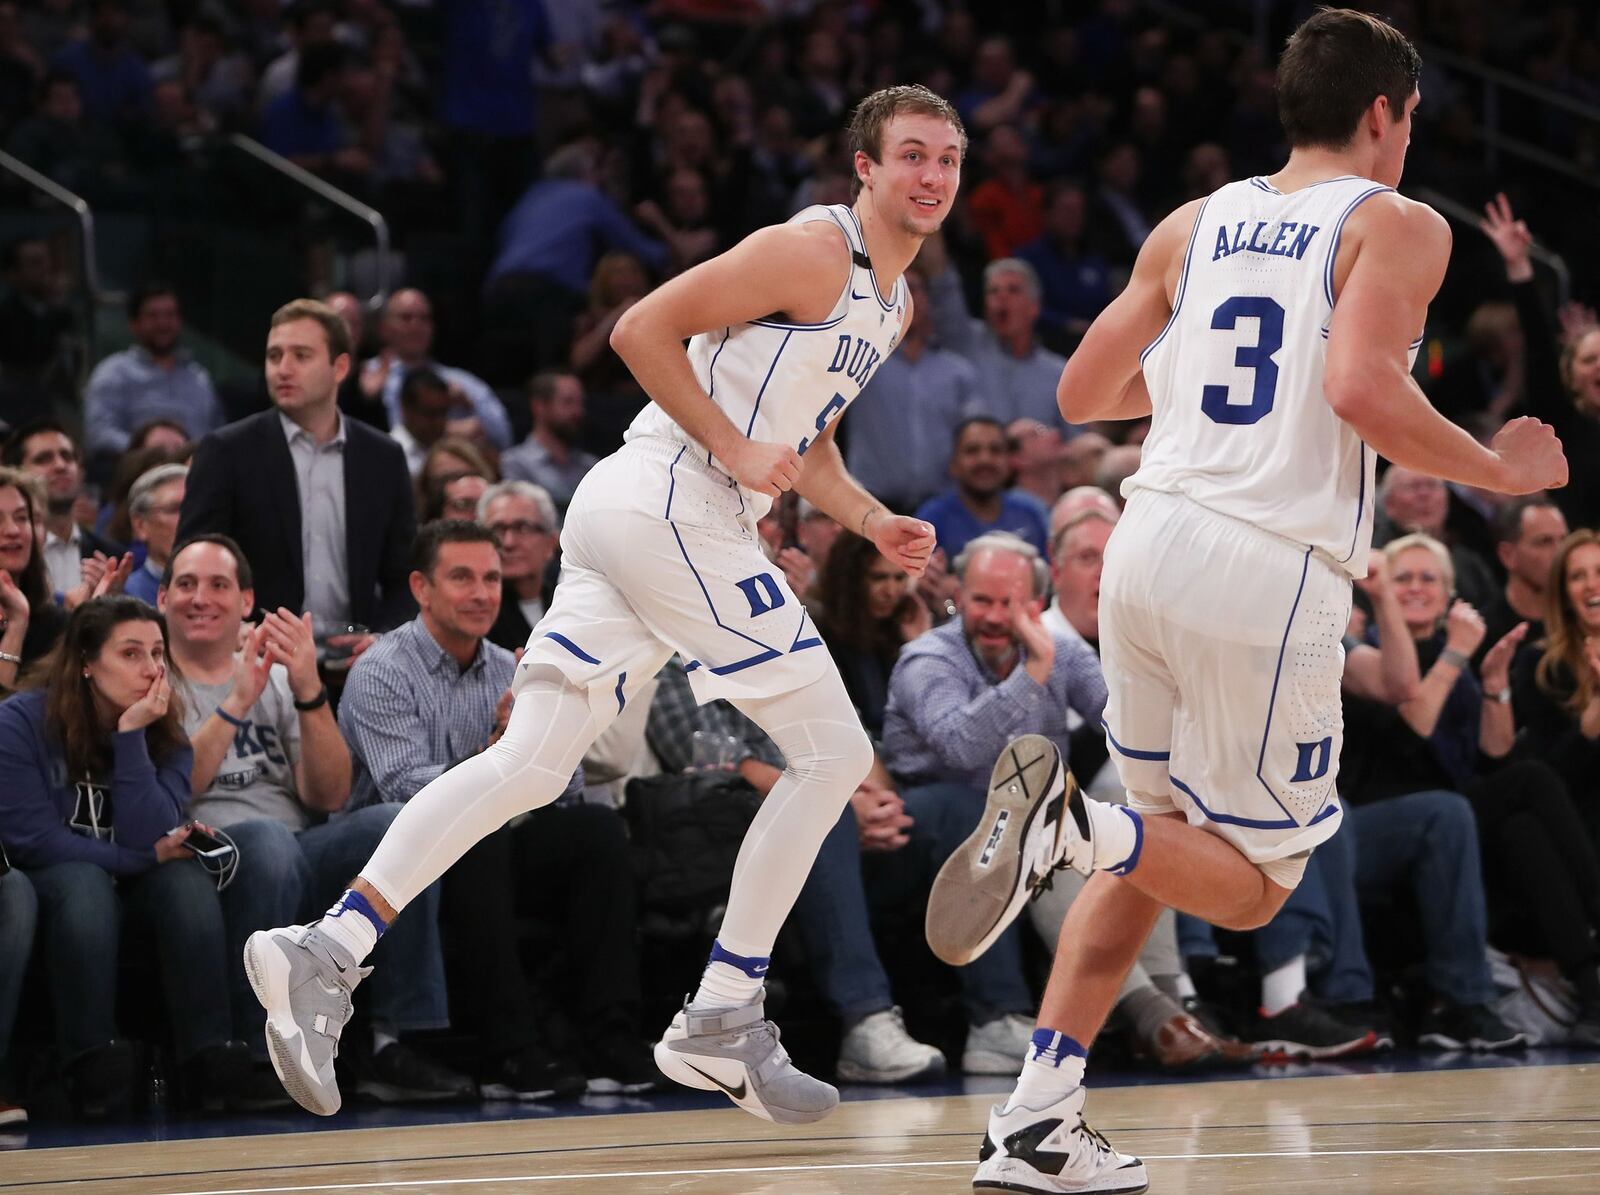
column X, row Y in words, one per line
column 241, row 566
column 433, row 536
column 1507, row 525
column 873, row 114
column 1333, row 67
column 338, row 334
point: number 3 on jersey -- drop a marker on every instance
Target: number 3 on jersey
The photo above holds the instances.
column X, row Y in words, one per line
column 1255, row 357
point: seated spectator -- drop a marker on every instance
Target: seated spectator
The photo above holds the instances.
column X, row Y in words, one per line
column 1074, row 281
column 1410, row 780
column 154, row 503
column 19, row 915
column 38, row 332
column 432, row 693
column 1080, row 459
column 325, row 512
column 305, row 125
column 155, row 379
column 1412, row 502
column 1007, row 207
column 407, row 334
column 550, row 456
column 870, row 610
column 1019, row 375
column 446, row 461
column 1556, row 690
column 903, row 460
column 218, row 77
column 1117, row 214
column 1527, row 533
column 1075, row 502
column 43, row 449
column 112, row 77
column 1035, row 452
column 164, row 444
column 79, row 154
column 269, row 768
column 831, row 914
column 957, row 695
column 32, row 621
column 306, row 23
column 1575, row 414
column 548, row 245
column 1116, row 466
column 97, row 851
column 683, row 221
column 613, row 395
column 457, row 497
column 526, row 528
column 979, row 501
column 425, row 405
column 353, row 399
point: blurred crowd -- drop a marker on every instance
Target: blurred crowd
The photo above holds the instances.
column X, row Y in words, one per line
column 282, row 625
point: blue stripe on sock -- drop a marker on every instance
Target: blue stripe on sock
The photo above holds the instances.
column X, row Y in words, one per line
column 353, row 902
column 755, row 968
column 1053, row 1048
column 1132, row 861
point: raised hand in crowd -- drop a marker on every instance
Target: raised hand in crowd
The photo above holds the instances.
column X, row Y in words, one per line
column 101, row 575
column 1464, row 628
column 937, row 587
column 913, row 618
column 250, row 672
column 1510, row 236
column 1034, row 636
column 1496, row 669
column 289, row 641
column 799, row 568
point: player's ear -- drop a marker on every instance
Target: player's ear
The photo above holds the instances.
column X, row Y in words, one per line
column 863, row 165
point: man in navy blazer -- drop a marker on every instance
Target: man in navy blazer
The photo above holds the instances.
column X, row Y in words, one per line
column 321, row 505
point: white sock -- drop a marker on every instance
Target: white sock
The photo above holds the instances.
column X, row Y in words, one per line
column 352, row 924
column 730, row 980
column 1281, row 986
column 1118, row 836
column 1053, row 1070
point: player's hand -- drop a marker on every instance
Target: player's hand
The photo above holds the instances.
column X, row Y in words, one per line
column 1463, row 628
column 1510, row 236
column 1531, row 457
column 1496, row 670
column 904, row 541
column 769, row 469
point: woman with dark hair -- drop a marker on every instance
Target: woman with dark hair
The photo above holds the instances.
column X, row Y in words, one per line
column 30, row 621
column 869, row 612
column 96, row 769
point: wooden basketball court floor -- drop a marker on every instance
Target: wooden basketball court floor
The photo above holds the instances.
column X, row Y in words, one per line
column 1513, row 1128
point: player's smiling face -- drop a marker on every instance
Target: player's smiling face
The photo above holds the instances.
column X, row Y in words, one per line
column 915, row 184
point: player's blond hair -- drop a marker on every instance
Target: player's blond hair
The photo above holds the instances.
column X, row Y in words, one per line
column 873, row 114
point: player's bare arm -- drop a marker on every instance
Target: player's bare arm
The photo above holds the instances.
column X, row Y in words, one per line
column 1103, row 378
column 1391, row 263
column 797, row 269
column 828, row 486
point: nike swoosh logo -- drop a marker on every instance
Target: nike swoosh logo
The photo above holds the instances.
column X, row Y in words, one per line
column 853, row 294
column 734, row 1093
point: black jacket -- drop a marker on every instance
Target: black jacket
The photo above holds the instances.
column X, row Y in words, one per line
column 242, row 483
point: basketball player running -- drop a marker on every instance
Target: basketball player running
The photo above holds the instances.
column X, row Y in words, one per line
column 661, row 555
column 1269, row 329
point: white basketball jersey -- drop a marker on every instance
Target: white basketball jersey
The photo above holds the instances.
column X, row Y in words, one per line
column 784, row 382
column 1235, row 378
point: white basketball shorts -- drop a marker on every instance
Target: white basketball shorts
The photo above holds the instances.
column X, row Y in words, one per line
column 1222, row 651
column 659, row 555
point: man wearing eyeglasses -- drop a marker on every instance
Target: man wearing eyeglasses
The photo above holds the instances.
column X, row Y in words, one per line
column 154, row 503
column 522, row 518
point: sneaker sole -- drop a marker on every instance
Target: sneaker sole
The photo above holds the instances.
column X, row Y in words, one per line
column 268, row 975
column 1013, row 1174
column 677, row 1067
column 1476, row 1045
column 1290, row 1051
column 982, row 886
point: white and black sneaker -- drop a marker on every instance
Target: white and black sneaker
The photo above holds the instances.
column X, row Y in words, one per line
column 1043, row 1151
column 1035, row 821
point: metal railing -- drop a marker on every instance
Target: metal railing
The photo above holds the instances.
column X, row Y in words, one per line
column 1462, row 214
column 89, row 269
column 327, row 191
column 1494, row 81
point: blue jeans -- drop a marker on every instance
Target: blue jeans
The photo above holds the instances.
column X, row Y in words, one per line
column 1322, row 919
column 285, row 878
column 81, row 911
column 832, row 920
column 19, row 913
column 1429, row 842
column 945, row 813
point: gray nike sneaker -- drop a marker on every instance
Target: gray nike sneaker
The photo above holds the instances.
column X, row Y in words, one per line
column 304, row 982
column 736, row 1051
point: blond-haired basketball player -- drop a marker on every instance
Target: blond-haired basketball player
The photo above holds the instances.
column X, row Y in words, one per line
column 661, row 555
column 1269, row 330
